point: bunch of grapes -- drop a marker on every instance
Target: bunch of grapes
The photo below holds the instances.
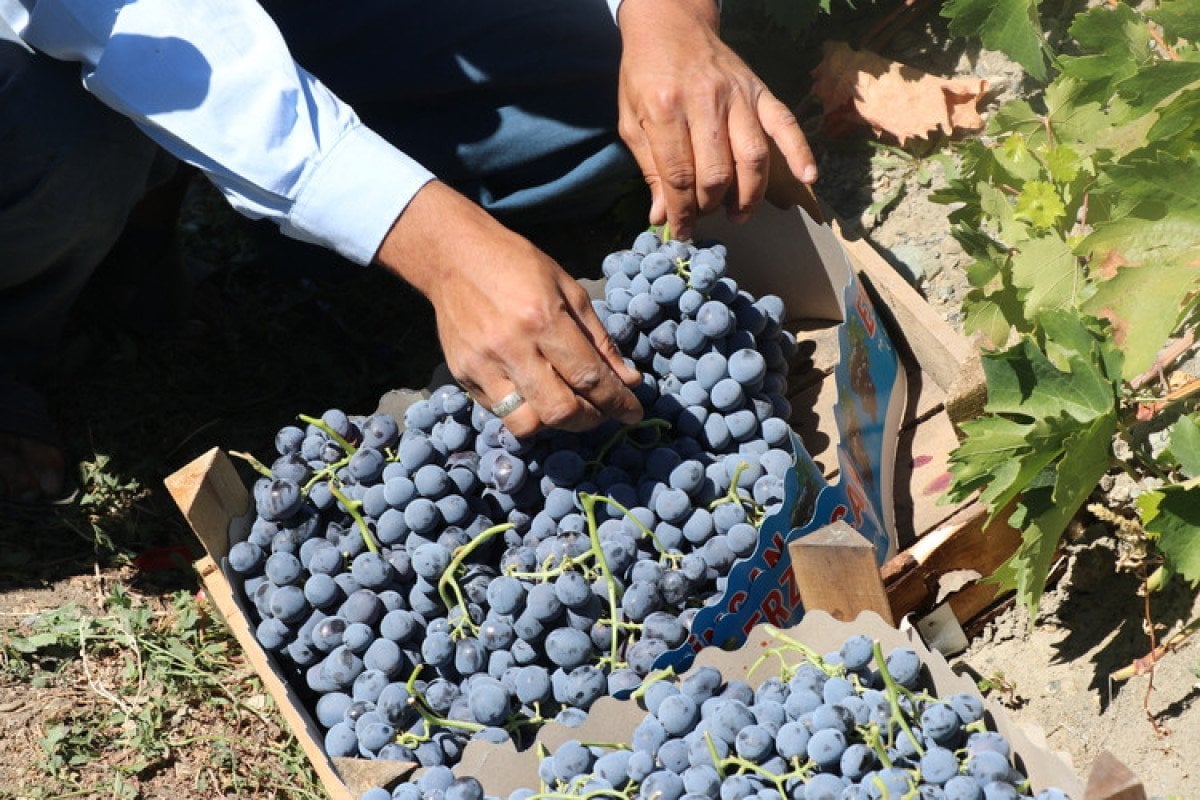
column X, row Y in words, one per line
column 852, row 725
column 447, row 581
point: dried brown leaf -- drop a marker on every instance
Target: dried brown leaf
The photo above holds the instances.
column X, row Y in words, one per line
column 858, row 86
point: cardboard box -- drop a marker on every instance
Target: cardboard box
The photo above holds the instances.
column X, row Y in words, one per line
column 783, row 252
column 502, row 769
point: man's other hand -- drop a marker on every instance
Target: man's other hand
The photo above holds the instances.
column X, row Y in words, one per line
column 509, row 318
column 699, row 122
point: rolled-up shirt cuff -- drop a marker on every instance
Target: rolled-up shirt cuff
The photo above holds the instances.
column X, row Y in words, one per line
column 355, row 194
column 614, row 6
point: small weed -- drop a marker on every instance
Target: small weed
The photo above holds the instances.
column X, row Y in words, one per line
column 1000, row 687
column 164, row 685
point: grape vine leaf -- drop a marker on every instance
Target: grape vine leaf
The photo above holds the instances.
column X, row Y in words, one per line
column 1045, row 439
column 1138, row 327
column 993, row 313
column 1172, row 515
column 1117, row 43
column 1048, row 505
column 1184, row 446
column 1160, row 180
column 1014, row 155
column 1011, row 26
column 1179, row 19
column 1040, row 204
column 1156, row 82
column 1072, row 117
column 1048, row 273
column 1040, row 381
column 1177, row 128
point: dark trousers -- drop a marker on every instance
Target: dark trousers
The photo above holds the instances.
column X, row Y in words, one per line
column 513, row 103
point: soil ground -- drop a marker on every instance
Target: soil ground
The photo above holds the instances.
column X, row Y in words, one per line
column 261, row 344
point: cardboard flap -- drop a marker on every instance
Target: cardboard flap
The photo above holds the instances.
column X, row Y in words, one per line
column 212, row 498
column 781, row 242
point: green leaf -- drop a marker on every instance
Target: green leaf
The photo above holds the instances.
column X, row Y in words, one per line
column 1138, row 240
column 1172, row 515
column 1040, row 204
column 1156, row 82
column 1159, row 182
column 1014, row 155
column 1045, row 510
column 1049, row 273
column 1143, row 304
column 995, row 204
column 1177, row 128
column 1184, row 446
column 35, row 642
column 1002, row 457
column 1075, row 344
column 1023, row 381
column 1010, row 26
column 1180, row 19
column 1064, row 163
column 1117, row 41
column 991, row 315
column 1071, row 120
column 1016, row 116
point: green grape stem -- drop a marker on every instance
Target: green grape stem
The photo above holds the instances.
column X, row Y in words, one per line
column 254, row 463
column 614, row 589
column 718, row 765
column 623, row 433
column 654, row 677
column 326, row 473
column 658, row 545
column 324, row 427
column 448, row 582
column 352, row 508
column 801, row 771
column 417, row 700
column 809, row 654
column 754, row 510
column 894, row 691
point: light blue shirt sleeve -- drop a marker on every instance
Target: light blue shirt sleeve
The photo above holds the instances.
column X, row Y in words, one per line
column 212, row 81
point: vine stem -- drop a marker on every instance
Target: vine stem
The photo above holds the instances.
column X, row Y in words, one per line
column 322, row 425
column 1165, row 359
column 448, row 578
column 1158, row 729
column 894, row 692
column 352, row 507
column 1146, row 663
column 589, row 509
column 658, row 545
column 254, row 463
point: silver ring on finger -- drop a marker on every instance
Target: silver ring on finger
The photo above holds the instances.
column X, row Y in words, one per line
column 508, row 404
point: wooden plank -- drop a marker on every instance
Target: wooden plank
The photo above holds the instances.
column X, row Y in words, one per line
column 965, row 542
column 221, row 594
column 210, row 494
column 836, row 572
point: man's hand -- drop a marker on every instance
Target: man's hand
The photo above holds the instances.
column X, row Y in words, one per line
column 509, row 318
column 699, row 122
